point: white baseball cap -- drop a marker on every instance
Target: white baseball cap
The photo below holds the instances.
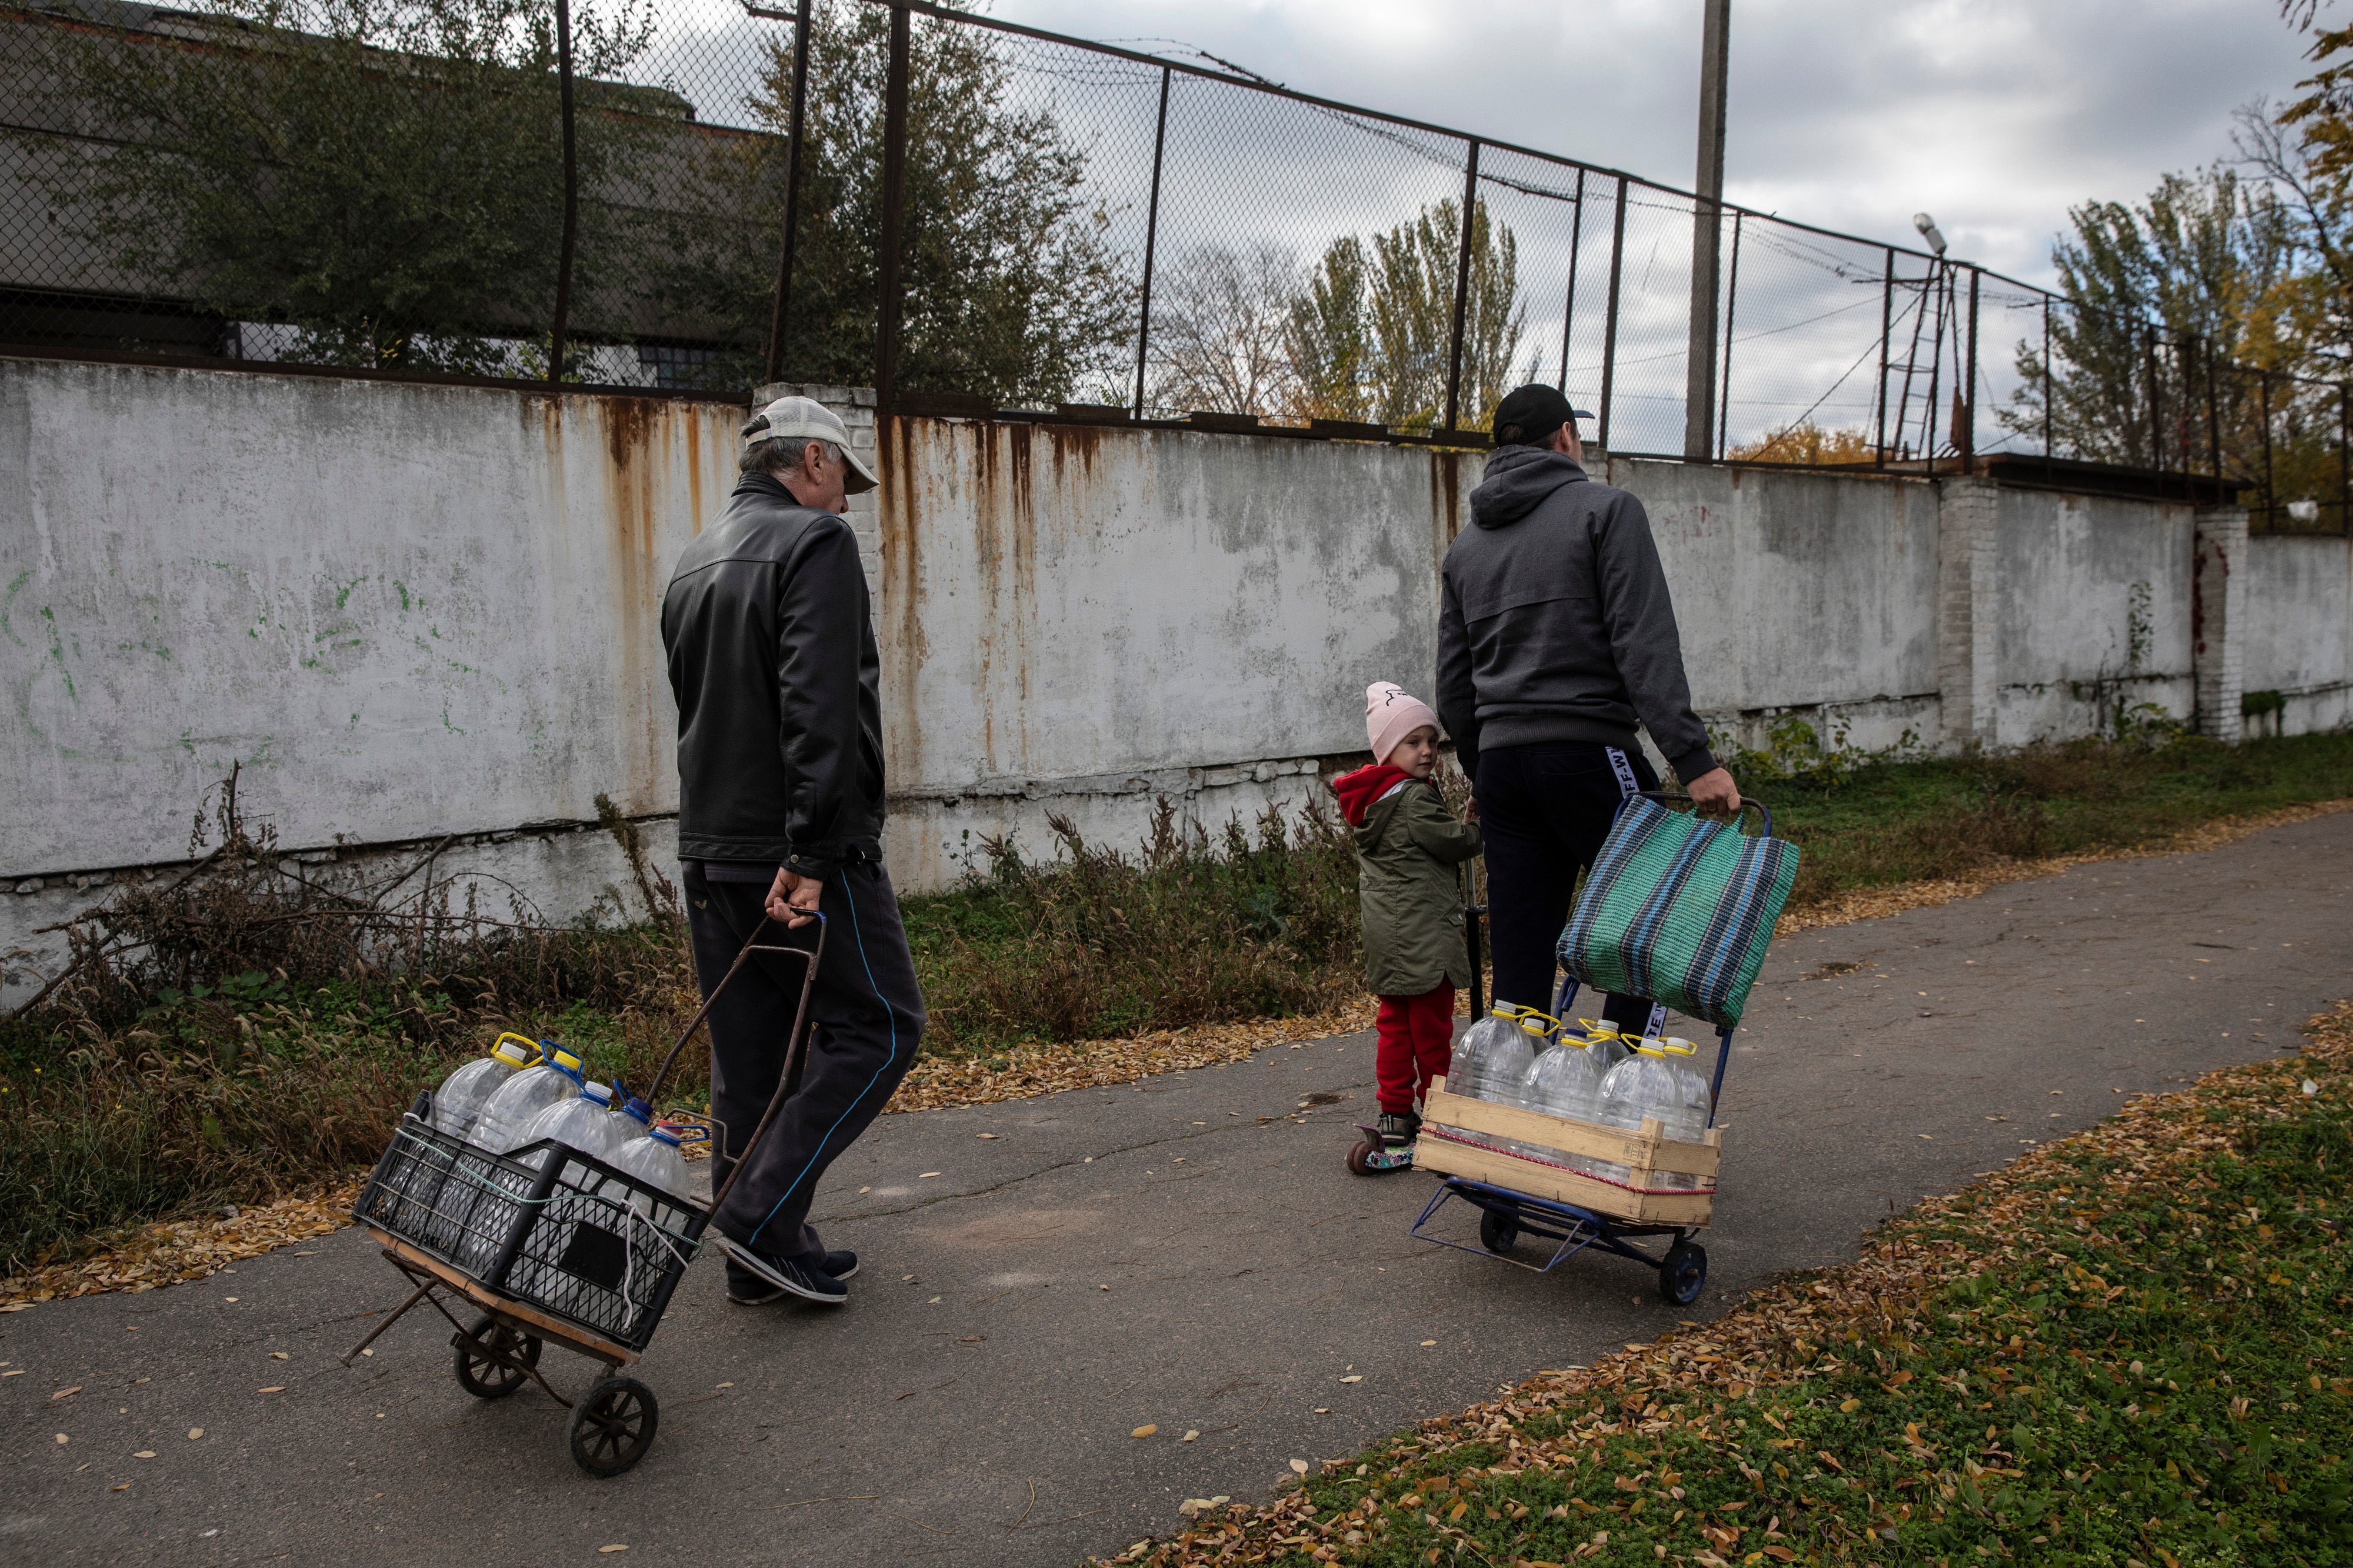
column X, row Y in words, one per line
column 804, row 419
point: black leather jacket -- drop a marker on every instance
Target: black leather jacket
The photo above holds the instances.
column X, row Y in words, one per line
column 772, row 661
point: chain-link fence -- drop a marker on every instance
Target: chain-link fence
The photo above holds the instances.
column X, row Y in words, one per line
column 978, row 218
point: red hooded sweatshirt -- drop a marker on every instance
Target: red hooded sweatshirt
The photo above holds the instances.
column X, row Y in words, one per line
column 1358, row 789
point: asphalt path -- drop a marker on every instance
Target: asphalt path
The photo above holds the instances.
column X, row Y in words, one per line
column 1042, row 1277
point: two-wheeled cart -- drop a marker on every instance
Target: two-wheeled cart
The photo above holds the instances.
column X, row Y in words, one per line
column 1699, row 913
column 1668, row 1191
column 547, row 1245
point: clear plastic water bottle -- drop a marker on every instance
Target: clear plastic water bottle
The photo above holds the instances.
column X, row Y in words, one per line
column 1565, row 1082
column 1698, row 1103
column 1602, row 1038
column 1469, row 1070
column 653, row 1158
column 585, row 1121
column 457, row 1103
column 511, row 1109
column 1641, row 1088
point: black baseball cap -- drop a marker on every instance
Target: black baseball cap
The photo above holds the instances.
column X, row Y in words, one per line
column 1529, row 414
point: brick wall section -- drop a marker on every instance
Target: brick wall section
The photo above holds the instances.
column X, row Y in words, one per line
column 1968, row 607
column 2218, row 592
column 855, row 407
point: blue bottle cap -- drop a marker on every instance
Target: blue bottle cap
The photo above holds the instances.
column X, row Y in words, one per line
column 637, row 1107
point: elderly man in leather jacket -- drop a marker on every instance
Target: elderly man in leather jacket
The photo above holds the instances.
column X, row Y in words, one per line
column 771, row 659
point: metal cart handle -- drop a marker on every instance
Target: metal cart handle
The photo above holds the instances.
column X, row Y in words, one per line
column 795, row 1043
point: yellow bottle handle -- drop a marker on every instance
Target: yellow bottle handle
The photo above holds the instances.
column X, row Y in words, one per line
column 524, row 1053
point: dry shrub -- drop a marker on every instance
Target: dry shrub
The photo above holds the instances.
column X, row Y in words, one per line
column 1191, row 929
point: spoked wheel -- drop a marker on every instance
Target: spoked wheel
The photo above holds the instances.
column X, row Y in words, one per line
column 483, row 1378
column 1497, row 1234
column 612, row 1426
column 1681, row 1272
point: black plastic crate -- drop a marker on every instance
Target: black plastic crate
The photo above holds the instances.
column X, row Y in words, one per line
column 574, row 1236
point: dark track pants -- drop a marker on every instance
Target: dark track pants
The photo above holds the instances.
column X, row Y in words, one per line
column 1544, row 811
column 866, row 1013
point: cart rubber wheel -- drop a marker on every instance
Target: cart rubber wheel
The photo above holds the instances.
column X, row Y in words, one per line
column 1363, row 1152
column 484, row 1378
column 612, row 1426
column 1682, row 1273
column 1497, row 1234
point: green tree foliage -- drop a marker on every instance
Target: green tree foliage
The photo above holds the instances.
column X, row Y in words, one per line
column 1012, row 289
column 383, row 177
column 1370, row 334
column 2204, row 257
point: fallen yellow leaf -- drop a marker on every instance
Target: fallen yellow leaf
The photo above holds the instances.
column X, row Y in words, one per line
column 274, row 1388
column 1354, row 1377
column 277, row 1356
column 616, row 1546
column 726, row 1385
column 1189, row 1434
column 1429, row 1341
column 194, row 1433
column 1849, row 1407
column 1298, row 1464
column 927, row 1175
column 62, row 1438
column 144, row 1454
column 61, row 1393
column 1145, row 1431
column 1458, row 1511
column 124, row 1487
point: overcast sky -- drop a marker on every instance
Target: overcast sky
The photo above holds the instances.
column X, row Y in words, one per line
column 1994, row 115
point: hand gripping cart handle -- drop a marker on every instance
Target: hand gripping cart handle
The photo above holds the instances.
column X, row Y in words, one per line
column 549, row 1244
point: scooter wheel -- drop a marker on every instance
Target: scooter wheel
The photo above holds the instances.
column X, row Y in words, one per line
column 1360, row 1158
column 1496, row 1234
column 1682, row 1273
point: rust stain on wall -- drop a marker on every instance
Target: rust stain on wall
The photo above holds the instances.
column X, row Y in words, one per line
column 900, row 624
column 639, row 437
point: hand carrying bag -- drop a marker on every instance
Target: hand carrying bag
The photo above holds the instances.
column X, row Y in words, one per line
column 1678, row 909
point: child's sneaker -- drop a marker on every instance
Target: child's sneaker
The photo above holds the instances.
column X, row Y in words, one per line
column 1402, row 1126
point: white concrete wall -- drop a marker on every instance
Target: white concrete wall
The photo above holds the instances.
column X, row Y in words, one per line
column 2297, row 631
column 416, row 611
column 2095, row 609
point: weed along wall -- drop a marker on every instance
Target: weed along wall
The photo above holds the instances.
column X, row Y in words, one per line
column 425, row 618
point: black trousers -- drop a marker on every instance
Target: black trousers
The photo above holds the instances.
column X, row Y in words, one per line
column 1544, row 810
column 865, row 1018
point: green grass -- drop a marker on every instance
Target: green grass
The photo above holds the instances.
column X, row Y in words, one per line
column 2129, row 1352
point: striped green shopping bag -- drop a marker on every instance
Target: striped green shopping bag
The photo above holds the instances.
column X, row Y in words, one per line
column 1678, row 909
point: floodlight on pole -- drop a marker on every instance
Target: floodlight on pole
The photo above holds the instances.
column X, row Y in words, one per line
column 1929, row 231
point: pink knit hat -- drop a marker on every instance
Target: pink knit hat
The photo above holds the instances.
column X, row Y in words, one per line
column 1390, row 716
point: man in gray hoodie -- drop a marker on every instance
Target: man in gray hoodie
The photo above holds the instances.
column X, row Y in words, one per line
column 1555, row 636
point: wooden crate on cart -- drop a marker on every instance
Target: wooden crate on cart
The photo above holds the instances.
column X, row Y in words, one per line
column 1647, row 1155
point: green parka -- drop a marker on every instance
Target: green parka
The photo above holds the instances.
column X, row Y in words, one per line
column 1409, row 888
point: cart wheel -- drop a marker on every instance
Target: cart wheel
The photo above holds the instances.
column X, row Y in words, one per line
column 1681, row 1272
column 1497, row 1234
column 612, row 1426
column 484, row 1378
column 1359, row 1156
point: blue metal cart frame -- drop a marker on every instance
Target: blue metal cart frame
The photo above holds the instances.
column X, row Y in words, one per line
column 1505, row 1215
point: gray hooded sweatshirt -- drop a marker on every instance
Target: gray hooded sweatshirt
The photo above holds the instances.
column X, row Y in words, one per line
column 1556, row 624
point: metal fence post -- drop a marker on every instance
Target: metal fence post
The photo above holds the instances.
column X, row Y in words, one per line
column 1969, row 442
column 1886, row 328
column 2213, row 421
column 2263, row 392
column 562, row 321
column 1609, row 320
column 1568, row 310
column 1462, row 289
column 2344, row 474
column 1151, row 239
column 1731, row 305
column 776, row 368
column 895, row 201
column 2047, row 382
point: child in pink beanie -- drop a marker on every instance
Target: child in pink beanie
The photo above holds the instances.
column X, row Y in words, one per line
column 1408, row 847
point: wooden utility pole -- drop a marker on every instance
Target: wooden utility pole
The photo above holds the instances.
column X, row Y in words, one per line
column 1707, row 236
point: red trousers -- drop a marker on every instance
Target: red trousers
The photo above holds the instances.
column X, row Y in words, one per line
column 1414, row 1037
